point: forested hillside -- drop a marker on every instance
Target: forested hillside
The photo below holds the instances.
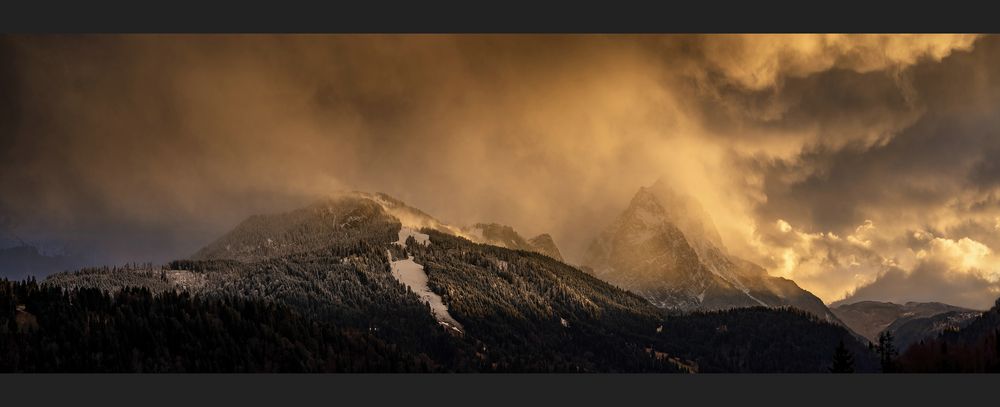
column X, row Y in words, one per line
column 46, row 329
column 760, row 339
column 974, row 348
column 315, row 290
column 529, row 304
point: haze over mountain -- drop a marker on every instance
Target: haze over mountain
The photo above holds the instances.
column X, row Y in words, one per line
column 857, row 166
column 909, row 322
column 411, row 300
column 23, row 260
column 505, row 236
column 665, row 247
column 327, row 221
column 974, row 347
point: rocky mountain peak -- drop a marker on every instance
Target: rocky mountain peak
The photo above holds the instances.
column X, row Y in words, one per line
column 544, row 244
column 665, row 246
column 497, row 234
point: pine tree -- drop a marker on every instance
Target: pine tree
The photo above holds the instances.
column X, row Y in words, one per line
column 887, row 351
column 843, row 360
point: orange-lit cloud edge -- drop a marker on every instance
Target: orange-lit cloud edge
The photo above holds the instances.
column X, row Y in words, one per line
column 856, row 165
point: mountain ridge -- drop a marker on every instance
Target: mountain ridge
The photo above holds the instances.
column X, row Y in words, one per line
column 337, row 263
column 665, row 247
column 871, row 318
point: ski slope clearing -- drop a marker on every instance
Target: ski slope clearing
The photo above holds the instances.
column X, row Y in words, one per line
column 412, row 275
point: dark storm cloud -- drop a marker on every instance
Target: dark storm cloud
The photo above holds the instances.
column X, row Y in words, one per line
column 924, row 165
column 934, row 175
column 832, row 109
column 120, row 137
column 985, row 173
column 147, row 147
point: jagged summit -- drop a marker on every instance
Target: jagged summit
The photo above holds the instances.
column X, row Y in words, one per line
column 505, row 236
column 344, row 261
column 544, row 244
column 665, row 247
column 497, row 235
column 688, row 215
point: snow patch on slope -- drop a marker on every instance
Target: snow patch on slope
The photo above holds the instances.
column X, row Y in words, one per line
column 412, row 275
column 408, row 216
column 405, row 233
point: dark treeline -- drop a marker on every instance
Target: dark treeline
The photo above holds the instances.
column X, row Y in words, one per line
column 48, row 329
column 762, row 339
column 974, row 348
column 339, row 308
column 349, row 285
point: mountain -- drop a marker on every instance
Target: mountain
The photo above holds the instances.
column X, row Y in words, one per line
column 665, row 247
column 351, row 214
column 909, row 322
column 971, row 348
column 489, row 233
column 406, row 215
column 465, row 306
column 910, row 330
column 24, row 260
column 390, row 298
column 505, row 236
column 544, row 244
column 334, row 221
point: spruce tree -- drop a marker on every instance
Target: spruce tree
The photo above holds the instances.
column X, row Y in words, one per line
column 843, row 360
column 887, row 351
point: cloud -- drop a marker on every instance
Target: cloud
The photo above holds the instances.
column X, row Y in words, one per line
column 147, row 147
column 182, row 136
column 964, row 255
column 931, row 179
column 756, row 62
column 828, row 264
column 930, row 281
column 864, row 266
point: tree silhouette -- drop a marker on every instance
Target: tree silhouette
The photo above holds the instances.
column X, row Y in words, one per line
column 887, row 351
column 843, row 360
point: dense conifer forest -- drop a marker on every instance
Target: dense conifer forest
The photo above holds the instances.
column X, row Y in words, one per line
column 974, row 348
column 303, row 298
column 48, row 329
column 761, row 339
column 339, row 309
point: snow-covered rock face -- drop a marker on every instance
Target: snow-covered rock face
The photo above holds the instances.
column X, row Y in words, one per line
column 644, row 252
column 688, row 215
column 666, row 248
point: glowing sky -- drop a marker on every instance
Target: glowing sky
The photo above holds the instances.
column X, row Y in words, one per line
column 852, row 164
